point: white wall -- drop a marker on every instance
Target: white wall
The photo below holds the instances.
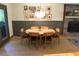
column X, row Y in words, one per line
column 57, row 10
column 9, row 12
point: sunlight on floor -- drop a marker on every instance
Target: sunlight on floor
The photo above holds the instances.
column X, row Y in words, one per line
column 63, row 54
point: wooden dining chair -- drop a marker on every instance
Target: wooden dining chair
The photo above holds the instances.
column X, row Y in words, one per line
column 44, row 28
column 35, row 27
column 57, row 30
column 24, row 36
column 34, row 38
column 56, row 36
column 47, row 38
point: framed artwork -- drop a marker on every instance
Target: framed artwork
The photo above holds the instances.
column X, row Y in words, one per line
column 26, row 16
column 76, row 12
column 48, row 8
column 25, row 7
column 32, row 9
column 49, row 16
column 29, row 12
column 31, row 16
column 38, row 8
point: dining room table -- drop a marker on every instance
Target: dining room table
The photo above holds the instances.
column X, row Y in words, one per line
column 40, row 31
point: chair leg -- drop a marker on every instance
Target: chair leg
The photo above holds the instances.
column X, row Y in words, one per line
column 58, row 39
column 37, row 44
column 22, row 40
column 45, row 42
column 40, row 41
column 51, row 41
column 30, row 41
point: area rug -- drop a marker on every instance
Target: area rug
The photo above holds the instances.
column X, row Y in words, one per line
column 75, row 42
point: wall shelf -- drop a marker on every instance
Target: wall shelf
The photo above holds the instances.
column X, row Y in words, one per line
column 71, row 17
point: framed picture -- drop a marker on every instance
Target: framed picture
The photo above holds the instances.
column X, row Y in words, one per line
column 25, row 7
column 38, row 8
column 48, row 8
column 76, row 12
column 31, row 16
column 32, row 9
column 49, row 17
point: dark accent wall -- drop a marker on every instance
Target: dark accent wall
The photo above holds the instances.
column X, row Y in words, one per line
column 17, row 25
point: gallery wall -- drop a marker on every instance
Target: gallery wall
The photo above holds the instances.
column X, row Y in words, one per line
column 57, row 10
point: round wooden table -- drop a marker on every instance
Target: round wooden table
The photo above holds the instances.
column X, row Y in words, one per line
column 41, row 32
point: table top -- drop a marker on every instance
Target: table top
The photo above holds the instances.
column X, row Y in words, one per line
column 40, row 31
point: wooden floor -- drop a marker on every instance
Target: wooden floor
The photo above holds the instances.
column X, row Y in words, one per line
column 15, row 48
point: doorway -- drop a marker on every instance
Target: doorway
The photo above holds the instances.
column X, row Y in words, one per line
column 4, row 31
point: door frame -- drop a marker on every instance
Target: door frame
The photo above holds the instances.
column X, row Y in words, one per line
column 4, row 7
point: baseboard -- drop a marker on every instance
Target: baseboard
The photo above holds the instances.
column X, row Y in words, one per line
column 11, row 37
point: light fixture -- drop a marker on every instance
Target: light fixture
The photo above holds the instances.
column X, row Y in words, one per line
column 40, row 14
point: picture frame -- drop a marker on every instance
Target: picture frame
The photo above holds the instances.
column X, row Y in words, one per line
column 76, row 12
column 48, row 8
column 38, row 8
column 49, row 16
column 32, row 9
column 25, row 8
column 31, row 15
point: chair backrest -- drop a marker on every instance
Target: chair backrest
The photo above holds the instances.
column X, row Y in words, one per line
column 22, row 30
column 44, row 27
column 33, row 34
column 48, row 34
column 35, row 27
column 23, row 34
column 57, row 30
